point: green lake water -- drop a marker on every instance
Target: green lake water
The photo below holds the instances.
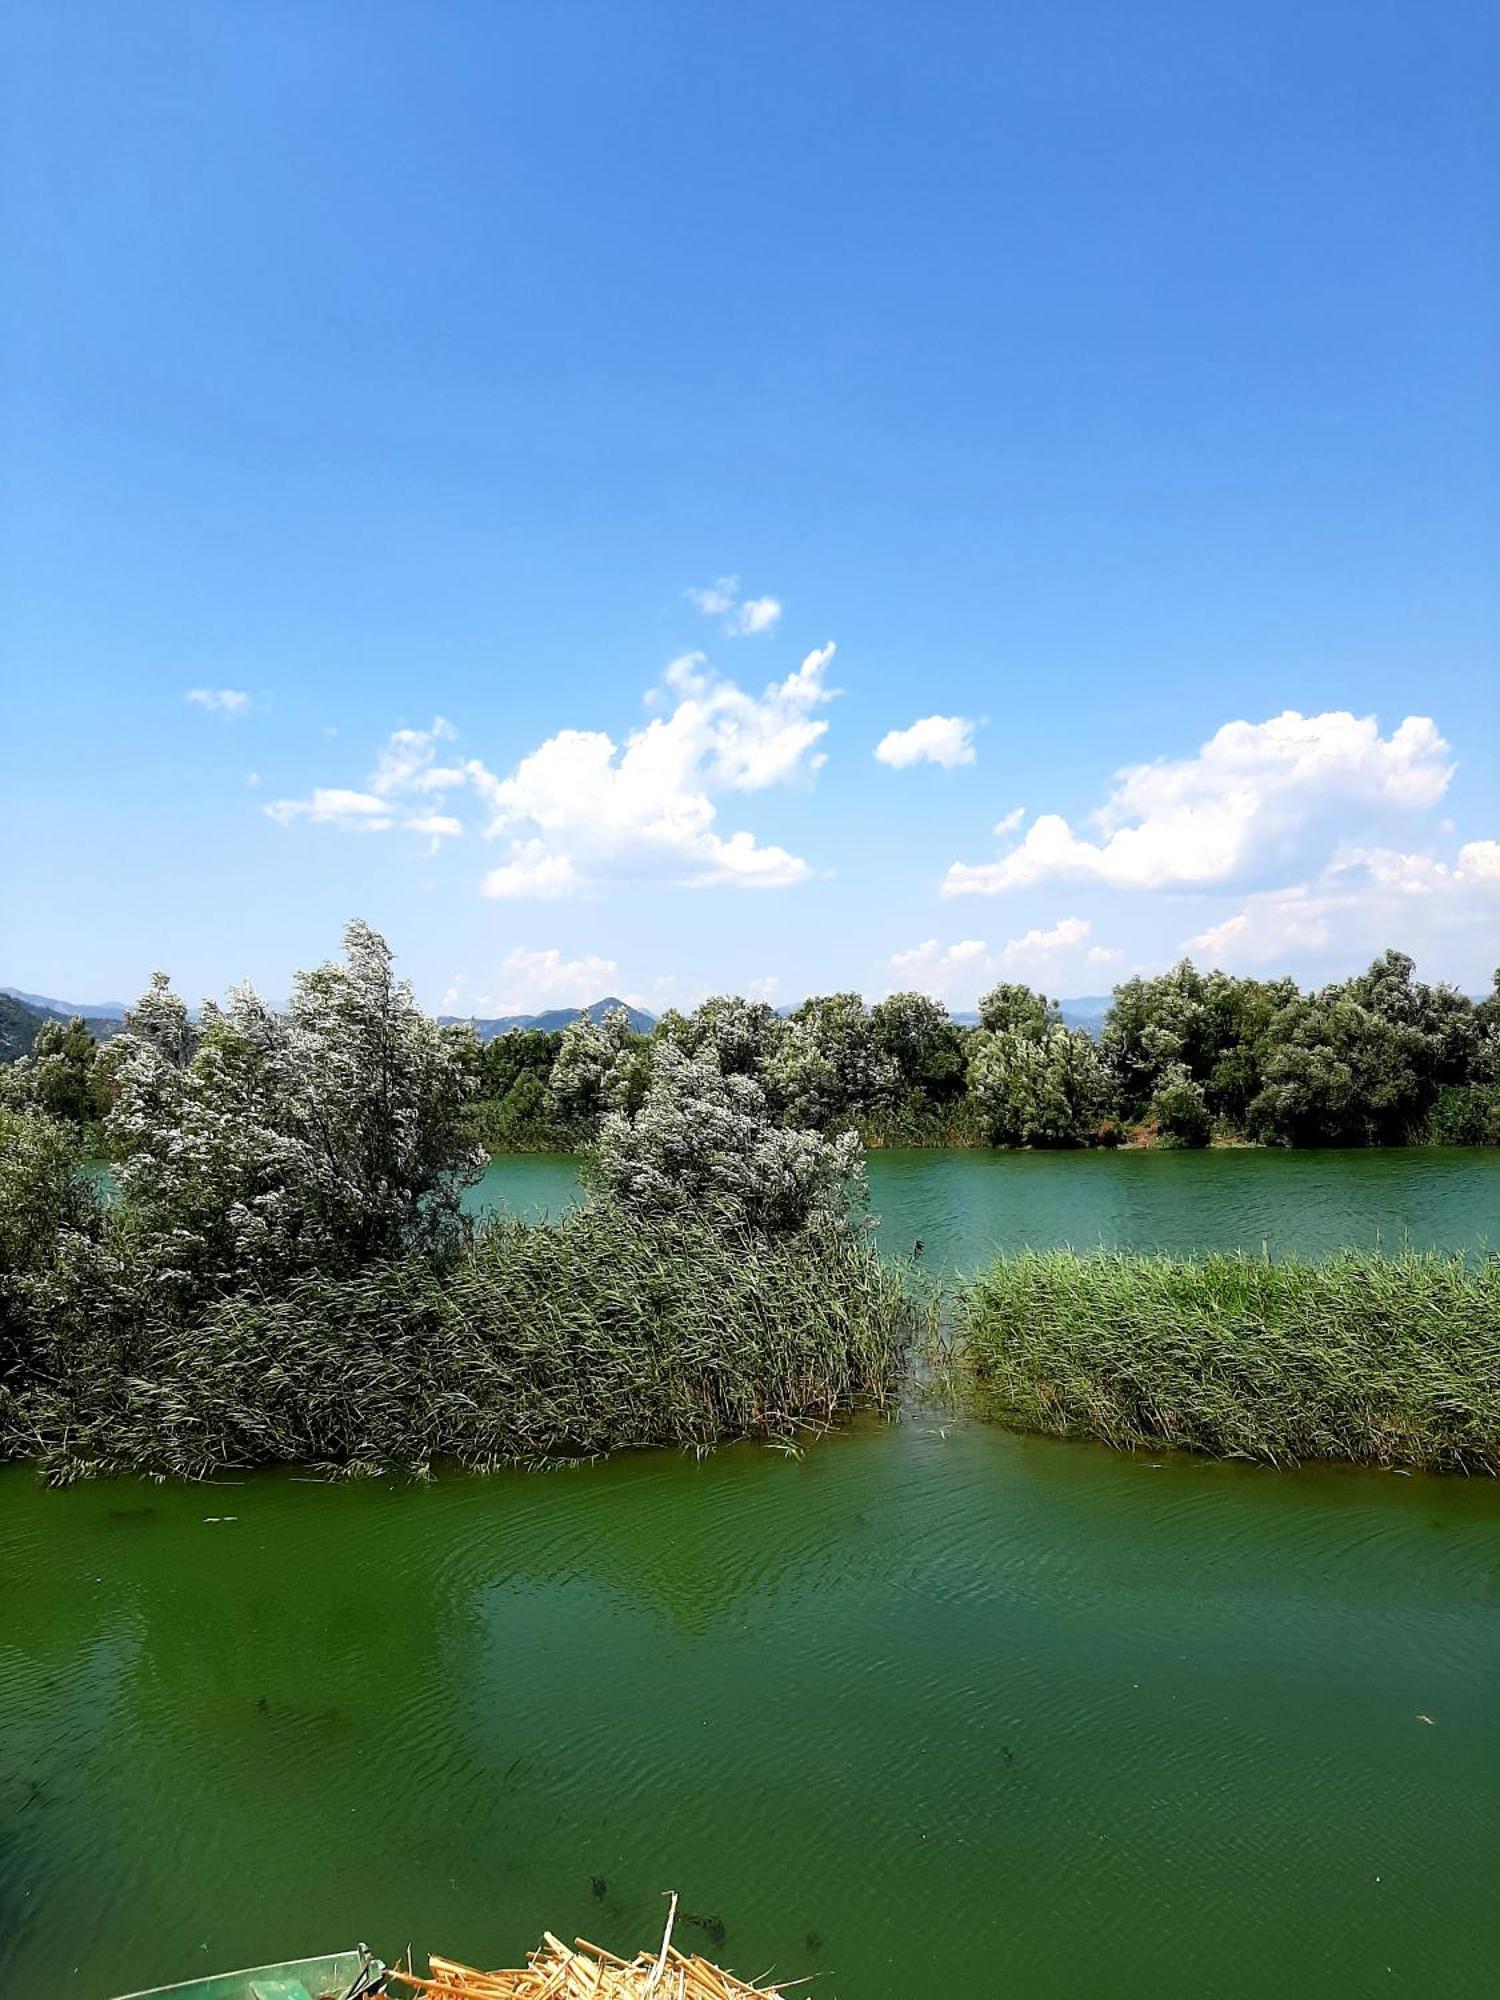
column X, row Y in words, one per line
column 931, row 1708
column 964, row 1207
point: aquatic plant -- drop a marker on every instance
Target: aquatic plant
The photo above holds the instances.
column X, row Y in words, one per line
column 538, row 1343
column 1388, row 1360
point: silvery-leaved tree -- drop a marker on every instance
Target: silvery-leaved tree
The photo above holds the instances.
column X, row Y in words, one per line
column 262, row 1144
column 1047, row 1088
column 600, row 1066
column 705, row 1147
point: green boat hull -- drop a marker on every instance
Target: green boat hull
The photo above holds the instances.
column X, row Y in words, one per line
column 296, row 1979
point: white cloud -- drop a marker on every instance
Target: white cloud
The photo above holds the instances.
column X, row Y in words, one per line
column 581, row 810
column 1052, row 959
column 329, row 805
column 936, row 739
column 746, row 619
column 219, row 701
column 714, row 599
column 1363, row 901
column 756, row 614
column 1011, row 820
column 407, row 765
column 1252, row 795
column 529, row 982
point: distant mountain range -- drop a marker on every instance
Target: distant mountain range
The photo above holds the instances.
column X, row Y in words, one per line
column 91, row 1010
column 21, row 1014
column 554, row 1020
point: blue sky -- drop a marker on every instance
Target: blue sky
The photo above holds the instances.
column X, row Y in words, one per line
column 1112, row 379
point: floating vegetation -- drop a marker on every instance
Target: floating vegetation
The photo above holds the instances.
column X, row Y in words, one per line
column 1382, row 1360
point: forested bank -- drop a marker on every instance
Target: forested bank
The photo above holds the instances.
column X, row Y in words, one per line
column 285, row 1271
column 1186, row 1059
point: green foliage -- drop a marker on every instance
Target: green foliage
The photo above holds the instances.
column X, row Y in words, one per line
column 1030, row 1089
column 1017, row 1010
column 1211, row 1025
column 829, row 1068
column 1390, row 1361
column 702, row 1144
column 595, row 1334
column 1342, row 1075
column 601, row 1066
column 1466, row 1114
column 1179, row 1110
column 19, row 1027
column 264, row 1146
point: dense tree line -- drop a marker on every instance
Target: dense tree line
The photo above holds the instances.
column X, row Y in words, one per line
column 1181, row 1059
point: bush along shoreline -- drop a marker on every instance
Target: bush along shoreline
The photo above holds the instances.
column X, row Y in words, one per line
column 1390, row 1361
column 285, row 1273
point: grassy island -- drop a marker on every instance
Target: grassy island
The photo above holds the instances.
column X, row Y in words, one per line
column 1383, row 1360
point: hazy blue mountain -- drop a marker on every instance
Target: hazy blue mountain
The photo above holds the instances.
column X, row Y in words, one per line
column 93, row 1010
column 555, row 1019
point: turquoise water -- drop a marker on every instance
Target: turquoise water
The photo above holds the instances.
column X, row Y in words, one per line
column 965, row 1206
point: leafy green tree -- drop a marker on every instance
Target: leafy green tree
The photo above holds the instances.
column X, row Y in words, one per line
column 707, row 1146
column 601, row 1066
column 61, row 1077
column 267, row 1145
column 1038, row 1090
column 1179, row 1110
column 1017, row 1010
column 1214, row 1026
column 925, row 1044
column 829, row 1068
column 48, row 1215
column 743, row 1035
column 1340, row 1074
column 522, row 1052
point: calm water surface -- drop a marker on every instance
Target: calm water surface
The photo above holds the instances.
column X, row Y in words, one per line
column 932, row 1708
column 966, row 1206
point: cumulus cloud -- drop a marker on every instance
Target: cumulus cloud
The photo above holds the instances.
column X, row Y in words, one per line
column 1050, row 959
column 219, row 701
column 1251, row 796
column 404, row 790
column 742, row 619
column 1365, row 899
column 529, row 982
column 947, row 740
column 582, row 811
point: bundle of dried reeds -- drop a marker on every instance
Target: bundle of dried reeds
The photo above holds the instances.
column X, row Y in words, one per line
column 584, row 1971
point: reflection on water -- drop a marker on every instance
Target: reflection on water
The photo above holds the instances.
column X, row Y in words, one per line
column 930, row 1705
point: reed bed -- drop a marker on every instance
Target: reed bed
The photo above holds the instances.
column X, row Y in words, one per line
column 539, row 1343
column 1389, row 1361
